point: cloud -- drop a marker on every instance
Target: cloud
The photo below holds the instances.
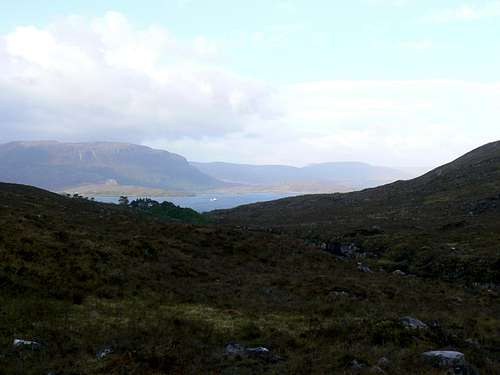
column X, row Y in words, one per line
column 102, row 78
column 393, row 122
column 405, row 123
column 466, row 12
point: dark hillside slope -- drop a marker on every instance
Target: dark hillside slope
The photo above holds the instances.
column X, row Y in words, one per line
column 57, row 166
column 105, row 290
column 445, row 223
column 466, row 187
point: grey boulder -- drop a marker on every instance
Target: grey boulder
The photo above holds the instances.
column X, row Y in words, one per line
column 412, row 323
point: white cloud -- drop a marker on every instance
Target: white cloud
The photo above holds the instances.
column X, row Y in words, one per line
column 466, row 12
column 394, row 122
column 405, row 123
column 103, row 78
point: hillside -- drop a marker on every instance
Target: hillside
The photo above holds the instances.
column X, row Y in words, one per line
column 66, row 166
column 337, row 176
column 457, row 188
column 103, row 289
column 451, row 213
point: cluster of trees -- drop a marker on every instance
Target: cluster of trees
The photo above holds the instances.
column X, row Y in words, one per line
column 78, row 196
column 164, row 210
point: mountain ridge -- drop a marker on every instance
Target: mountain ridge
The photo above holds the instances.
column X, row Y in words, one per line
column 453, row 176
column 351, row 173
column 57, row 166
column 445, row 223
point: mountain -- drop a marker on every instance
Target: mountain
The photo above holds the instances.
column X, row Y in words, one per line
column 118, row 168
column 338, row 175
column 96, row 288
column 60, row 166
column 455, row 187
column 249, row 174
column 445, row 222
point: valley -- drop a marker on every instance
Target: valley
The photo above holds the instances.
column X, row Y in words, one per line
column 355, row 283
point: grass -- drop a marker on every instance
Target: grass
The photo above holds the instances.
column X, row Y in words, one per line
column 167, row 297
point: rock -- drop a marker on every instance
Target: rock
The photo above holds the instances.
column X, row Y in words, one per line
column 445, row 358
column 260, row 352
column 257, row 351
column 338, row 295
column 26, row 344
column 412, row 323
column 233, row 349
column 399, row 272
column 433, row 324
column 383, row 362
column 104, row 352
column 342, row 249
column 364, row 268
column 355, row 365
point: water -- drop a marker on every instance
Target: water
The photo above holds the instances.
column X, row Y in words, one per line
column 209, row 202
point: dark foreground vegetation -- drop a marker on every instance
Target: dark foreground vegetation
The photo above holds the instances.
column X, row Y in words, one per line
column 95, row 288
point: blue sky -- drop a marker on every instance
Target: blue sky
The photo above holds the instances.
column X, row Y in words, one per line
column 275, row 76
column 309, row 40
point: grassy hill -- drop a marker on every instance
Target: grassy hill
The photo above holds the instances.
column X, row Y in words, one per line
column 104, row 289
column 456, row 186
column 443, row 224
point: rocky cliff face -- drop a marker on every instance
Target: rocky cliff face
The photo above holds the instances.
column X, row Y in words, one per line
column 55, row 166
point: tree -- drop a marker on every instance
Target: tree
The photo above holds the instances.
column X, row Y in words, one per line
column 123, row 200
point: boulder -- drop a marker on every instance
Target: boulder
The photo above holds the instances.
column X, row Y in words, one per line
column 446, row 359
column 104, row 352
column 260, row 352
column 383, row 362
column 399, row 272
column 26, row 344
column 364, row 268
column 341, row 249
column 234, row 349
column 412, row 323
column 357, row 365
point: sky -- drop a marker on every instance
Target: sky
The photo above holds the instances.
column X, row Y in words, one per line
column 389, row 82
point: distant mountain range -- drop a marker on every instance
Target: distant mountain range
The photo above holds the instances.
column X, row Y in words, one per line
column 323, row 284
column 64, row 166
column 462, row 189
column 343, row 175
column 119, row 168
